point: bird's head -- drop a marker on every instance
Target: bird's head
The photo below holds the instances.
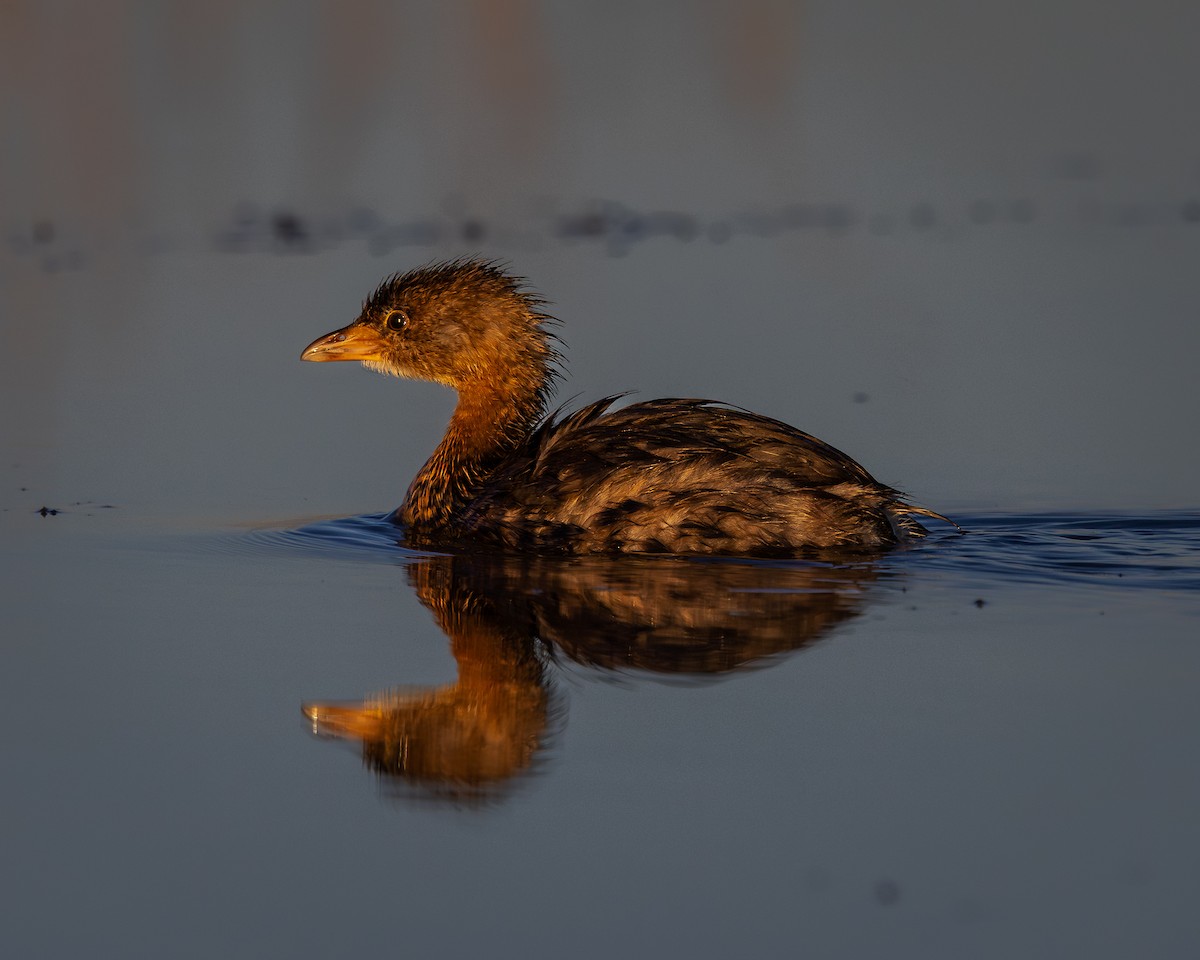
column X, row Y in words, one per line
column 462, row 323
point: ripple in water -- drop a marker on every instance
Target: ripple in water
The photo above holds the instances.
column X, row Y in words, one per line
column 1155, row 550
column 1148, row 551
column 370, row 537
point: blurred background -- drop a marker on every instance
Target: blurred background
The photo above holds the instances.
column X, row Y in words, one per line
column 958, row 241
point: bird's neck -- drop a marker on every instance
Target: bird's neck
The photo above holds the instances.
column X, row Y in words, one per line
column 489, row 422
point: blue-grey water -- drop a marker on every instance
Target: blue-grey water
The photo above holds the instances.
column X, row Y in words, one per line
column 985, row 745
column 238, row 719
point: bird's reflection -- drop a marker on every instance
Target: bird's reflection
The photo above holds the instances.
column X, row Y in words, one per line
column 510, row 618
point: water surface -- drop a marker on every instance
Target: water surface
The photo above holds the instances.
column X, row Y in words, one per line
column 240, row 720
column 975, row 744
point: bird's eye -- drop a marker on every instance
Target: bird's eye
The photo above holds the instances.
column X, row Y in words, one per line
column 397, row 320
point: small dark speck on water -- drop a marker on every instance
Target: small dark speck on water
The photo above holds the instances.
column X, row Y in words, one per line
column 887, row 892
column 980, row 602
column 47, row 512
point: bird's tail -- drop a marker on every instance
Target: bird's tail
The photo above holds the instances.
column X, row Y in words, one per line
column 907, row 528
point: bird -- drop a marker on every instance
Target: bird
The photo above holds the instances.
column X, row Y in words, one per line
column 668, row 476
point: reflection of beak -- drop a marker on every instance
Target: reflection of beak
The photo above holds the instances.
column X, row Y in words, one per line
column 344, row 720
column 355, row 342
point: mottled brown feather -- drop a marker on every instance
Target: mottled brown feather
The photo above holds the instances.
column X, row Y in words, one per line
column 661, row 476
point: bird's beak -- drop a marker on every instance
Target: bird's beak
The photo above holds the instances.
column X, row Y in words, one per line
column 355, row 342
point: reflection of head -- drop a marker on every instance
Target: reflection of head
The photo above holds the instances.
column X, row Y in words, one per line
column 459, row 738
column 462, row 738
column 667, row 615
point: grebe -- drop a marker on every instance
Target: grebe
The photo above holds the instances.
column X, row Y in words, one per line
column 664, row 476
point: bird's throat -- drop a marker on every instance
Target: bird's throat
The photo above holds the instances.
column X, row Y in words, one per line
column 486, row 427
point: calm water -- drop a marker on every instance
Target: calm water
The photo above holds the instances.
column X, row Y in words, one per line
column 239, row 720
column 982, row 746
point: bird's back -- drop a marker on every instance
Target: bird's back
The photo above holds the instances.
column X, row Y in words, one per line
column 681, row 476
